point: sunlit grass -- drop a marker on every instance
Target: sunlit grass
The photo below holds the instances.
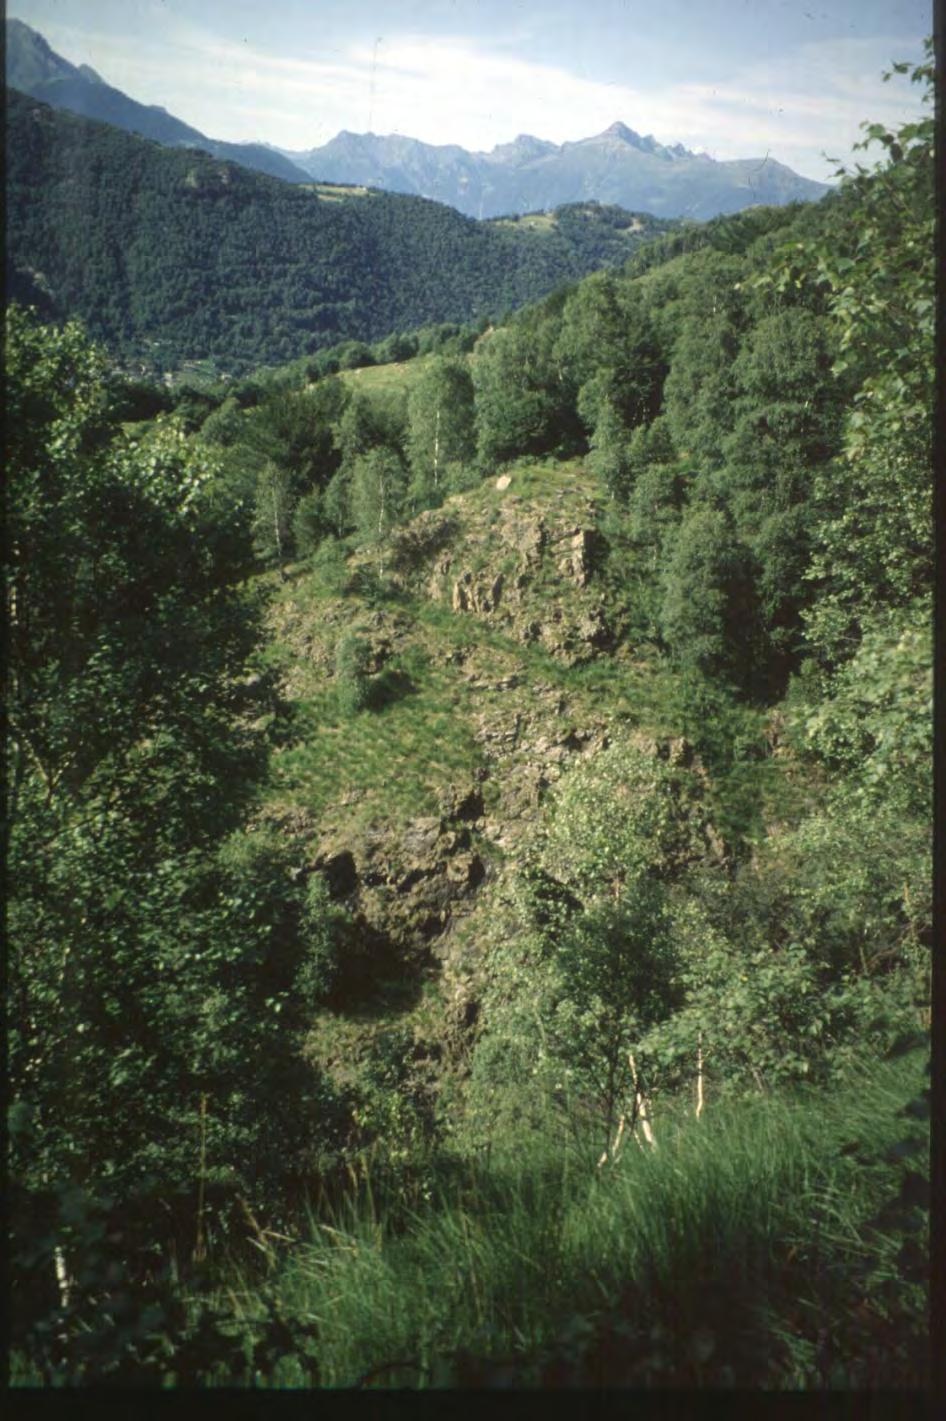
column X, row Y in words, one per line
column 391, row 379
column 398, row 757
column 532, row 222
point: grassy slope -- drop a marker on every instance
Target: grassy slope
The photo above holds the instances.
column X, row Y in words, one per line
column 390, row 382
column 455, row 667
column 466, row 706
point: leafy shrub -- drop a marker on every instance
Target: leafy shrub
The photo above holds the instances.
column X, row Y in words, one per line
column 308, row 523
column 329, row 565
column 352, row 679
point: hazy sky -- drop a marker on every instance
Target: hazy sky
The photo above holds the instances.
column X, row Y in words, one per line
column 737, row 77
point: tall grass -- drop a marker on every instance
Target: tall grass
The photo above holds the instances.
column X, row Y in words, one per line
column 725, row 1256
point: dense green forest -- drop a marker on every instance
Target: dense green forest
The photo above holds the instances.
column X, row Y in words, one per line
column 468, row 827
column 172, row 255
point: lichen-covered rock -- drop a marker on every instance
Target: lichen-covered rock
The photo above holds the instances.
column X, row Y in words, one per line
column 526, row 565
column 578, row 561
column 472, row 593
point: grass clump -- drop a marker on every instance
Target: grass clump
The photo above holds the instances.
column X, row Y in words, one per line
column 352, row 681
column 758, row 1246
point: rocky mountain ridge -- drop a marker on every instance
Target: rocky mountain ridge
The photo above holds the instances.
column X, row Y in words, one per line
column 530, row 174
column 617, row 167
column 35, row 69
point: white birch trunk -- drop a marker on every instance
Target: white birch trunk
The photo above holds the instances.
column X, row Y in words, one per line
column 644, row 1119
column 437, row 449
column 63, row 1281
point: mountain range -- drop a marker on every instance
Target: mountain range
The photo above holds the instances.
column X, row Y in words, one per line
column 618, row 166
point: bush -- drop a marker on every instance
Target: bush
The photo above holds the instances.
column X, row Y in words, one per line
column 352, row 680
column 329, row 565
column 308, row 523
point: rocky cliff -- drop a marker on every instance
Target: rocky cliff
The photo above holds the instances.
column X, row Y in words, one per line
column 497, row 663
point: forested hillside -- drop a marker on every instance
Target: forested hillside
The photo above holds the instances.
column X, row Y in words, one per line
column 469, row 835
column 170, row 256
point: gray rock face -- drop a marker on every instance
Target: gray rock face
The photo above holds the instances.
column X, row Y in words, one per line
column 405, row 886
column 476, row 594
column 579, row 560
column 538, row 581
column 530, row 175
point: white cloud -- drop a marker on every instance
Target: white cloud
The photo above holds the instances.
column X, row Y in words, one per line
column 455, row 90
column 812, row 101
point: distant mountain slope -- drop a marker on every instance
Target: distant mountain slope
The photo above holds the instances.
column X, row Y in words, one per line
column 528, row 175
column 171, row 256
column 35, row 69
column 617, row 166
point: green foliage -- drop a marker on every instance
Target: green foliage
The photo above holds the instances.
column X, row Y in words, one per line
column 707, row 324
column 353, row 355
column 224, row 424
column 352, row 679
column 285, row 449
column 273, row 514
column 329, row 566
column 708, row 617
column 523, row 405
column 607, row 343
column 116, row 1329
column 625, row 813
column 615, row 978
column 862, row 890
column 365, row 424
column 587, row 963
column 441, row 434
column 376, row 497
column 288, row 928
column 150, row 1053
column 99, row 529
column 609, row 452
column 873, row 721
column 875, row 269
column 308, row 523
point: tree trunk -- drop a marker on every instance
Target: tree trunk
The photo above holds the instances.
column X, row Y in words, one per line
column 437, row 449
column 276, row 525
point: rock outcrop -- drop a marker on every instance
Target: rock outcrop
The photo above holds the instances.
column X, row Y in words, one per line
column 404, row 886
column 497, row 606
column 537, row 583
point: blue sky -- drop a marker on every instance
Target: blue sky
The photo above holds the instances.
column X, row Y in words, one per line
column 737, row 78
